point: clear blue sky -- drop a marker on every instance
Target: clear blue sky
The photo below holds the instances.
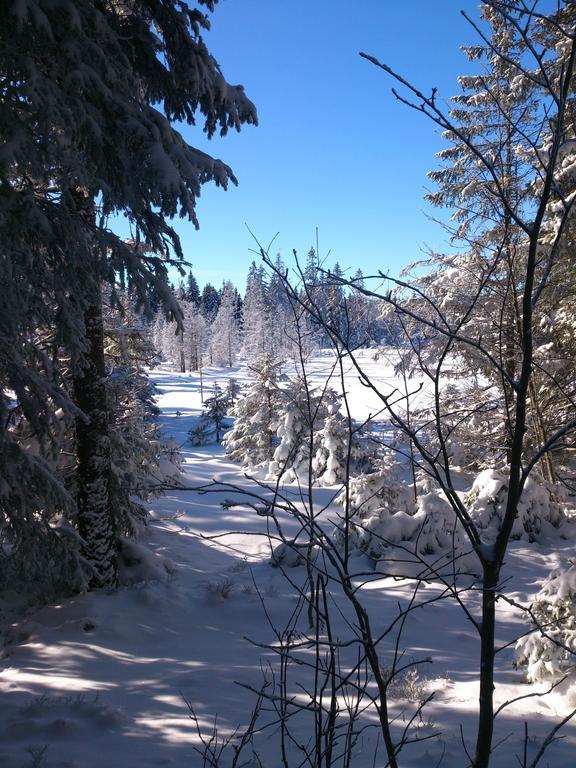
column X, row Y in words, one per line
column 334, row 149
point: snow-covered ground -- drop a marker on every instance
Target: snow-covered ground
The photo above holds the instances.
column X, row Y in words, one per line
column 106, row 679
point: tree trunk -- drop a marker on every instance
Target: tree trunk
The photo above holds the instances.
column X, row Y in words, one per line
column 486, row 699
column 182, row 356
column 95, row 522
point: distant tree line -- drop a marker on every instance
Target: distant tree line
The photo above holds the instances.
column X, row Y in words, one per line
column 220, row 326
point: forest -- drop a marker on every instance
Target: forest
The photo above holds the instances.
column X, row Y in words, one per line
column 324, row 518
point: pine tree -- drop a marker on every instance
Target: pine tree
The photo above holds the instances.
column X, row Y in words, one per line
column 225, row 333
column 192, row 292
column 195, row 335
column 359, row 314
column 252, row 437
column 331, row 457
column 298, row 435
column 233, row 391
column 94, row 125
column 212, row 422
column 336, row 303
column 316, row 293
column 282, row 331
column 140, row 461
column 257, row 325
column 209, row 302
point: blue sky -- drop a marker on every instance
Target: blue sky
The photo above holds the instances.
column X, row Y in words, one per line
column 334, row 149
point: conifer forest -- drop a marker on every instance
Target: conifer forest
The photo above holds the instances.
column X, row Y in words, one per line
column 320, row 517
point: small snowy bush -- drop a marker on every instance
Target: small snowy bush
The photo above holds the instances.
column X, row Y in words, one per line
column 539, row 513
column 430, row 529
column 385, row 516
column 382, row 488
column 380, row 507
column 550, row 651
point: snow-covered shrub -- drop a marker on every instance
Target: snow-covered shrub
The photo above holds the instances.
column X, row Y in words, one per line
column 430, row 529
column 380, row 507
column 382, row 488
column 539, row 513
column 293, row 554
column 383, row 513
column 550, row 651
column 252, row 438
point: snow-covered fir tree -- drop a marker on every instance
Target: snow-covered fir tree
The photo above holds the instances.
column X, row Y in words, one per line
column 336, row 302
column 302, row 418
column 252, row 439
column 195, row 336
column 499, row 115
column 145, row 68
column 225, row 334
column 233, row 391
column 212, row 423
column 191, row 291
column 140, row 459
column 281, row 310
column 257, row 319
column 209, row 302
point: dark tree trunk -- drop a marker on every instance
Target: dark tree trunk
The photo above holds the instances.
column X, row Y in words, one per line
column 487, row 654
column 95, row 521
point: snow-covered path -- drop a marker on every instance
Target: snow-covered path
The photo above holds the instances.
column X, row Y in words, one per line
column 103, row 680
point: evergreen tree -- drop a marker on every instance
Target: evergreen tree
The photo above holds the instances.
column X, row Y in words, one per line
column 192, row 292
column 94, row 126
column 359, row 313
column 140, row 460
column 252, row 437
column 336, row 303
column 209, row 302
column 298, row 435
column 257, row 325
column 233, row 390
column 225, row 332
column 212, row 422
column 195, row 335
column 281, row 312
column 316, row 293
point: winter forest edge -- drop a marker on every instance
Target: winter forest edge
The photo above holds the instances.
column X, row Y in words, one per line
column 361, row 486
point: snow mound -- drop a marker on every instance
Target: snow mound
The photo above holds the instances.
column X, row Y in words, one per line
column 137, row 563
column 292, row 555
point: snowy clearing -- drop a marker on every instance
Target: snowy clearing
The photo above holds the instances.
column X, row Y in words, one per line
column 104, row 680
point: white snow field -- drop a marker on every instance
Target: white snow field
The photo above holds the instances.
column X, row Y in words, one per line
column 102, row 680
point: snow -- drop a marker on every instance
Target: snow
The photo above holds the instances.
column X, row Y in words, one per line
column 104, row 679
